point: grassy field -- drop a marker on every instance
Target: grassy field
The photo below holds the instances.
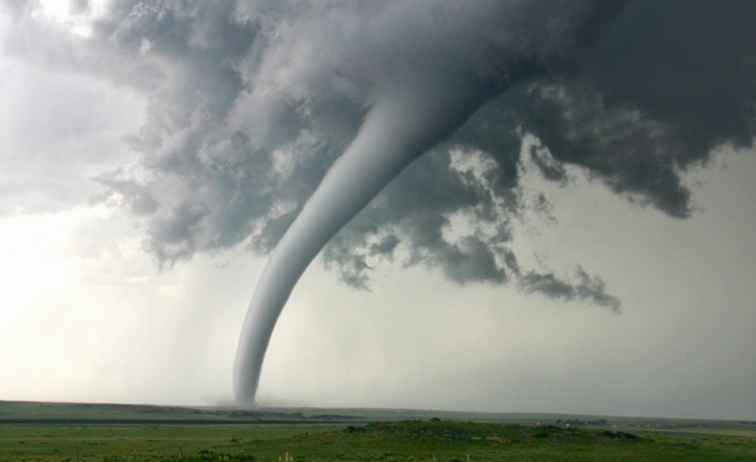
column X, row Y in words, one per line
column 71, row 432
column 438, row 440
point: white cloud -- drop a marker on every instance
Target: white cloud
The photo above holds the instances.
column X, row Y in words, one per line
column 75, row 15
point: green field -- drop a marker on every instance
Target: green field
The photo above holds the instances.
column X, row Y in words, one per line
column 381, row 441
column 103, row 432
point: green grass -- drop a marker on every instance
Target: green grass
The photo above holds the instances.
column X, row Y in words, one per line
column 439, row 440
column 34, row 442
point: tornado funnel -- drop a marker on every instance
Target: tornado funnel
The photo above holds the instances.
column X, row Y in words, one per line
column 417, row 102
column 395, row 131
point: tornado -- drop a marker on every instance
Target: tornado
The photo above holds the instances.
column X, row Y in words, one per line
column 396, row 130
column 413, row 109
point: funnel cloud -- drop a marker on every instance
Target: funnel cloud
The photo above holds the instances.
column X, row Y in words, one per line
column 401, row 130
column 434, row 91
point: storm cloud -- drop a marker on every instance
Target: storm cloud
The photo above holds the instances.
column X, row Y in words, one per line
column 249, row 103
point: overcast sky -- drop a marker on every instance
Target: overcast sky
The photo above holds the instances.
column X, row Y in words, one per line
column 135, row 221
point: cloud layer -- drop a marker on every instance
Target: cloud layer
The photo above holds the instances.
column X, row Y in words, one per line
column 249, row 104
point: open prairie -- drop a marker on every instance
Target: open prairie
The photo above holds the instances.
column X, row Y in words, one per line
column 44, row 432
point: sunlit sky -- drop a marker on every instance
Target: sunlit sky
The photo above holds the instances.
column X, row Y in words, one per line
column 88, row 314
column 65, row 13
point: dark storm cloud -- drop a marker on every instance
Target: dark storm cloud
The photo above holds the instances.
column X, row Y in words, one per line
column 251, row 102
column 667, row 84
column 588, row 288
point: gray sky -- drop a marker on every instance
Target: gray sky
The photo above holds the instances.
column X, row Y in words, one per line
column 87, row 314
